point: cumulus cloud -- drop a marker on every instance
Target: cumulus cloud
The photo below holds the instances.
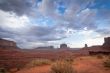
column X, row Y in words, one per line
column 18, row 20
column 103, row 32
column 22, row 31
column 18, row 6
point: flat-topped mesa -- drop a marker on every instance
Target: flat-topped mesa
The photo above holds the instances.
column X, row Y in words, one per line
column 64, row 47
column 106, row 42
column 5, row 44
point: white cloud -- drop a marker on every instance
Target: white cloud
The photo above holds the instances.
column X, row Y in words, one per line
column 20, row 29
column 94, row 41
column 11, row 20
column 86, row 33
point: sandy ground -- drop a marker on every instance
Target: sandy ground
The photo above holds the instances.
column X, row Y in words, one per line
column 90, row 65
column 81, row 65
column 39, row 69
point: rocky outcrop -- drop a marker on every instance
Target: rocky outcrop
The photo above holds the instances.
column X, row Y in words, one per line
column 6, row 44
column 85, row 46
column 106, row 43
column 63, row 46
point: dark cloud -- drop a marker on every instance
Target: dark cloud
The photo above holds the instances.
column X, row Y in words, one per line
column 104, row 32
column 20, row 7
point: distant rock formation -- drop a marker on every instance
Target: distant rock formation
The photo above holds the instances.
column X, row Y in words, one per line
column 64, row 46
column 6, row 44
column 106, row 43
column 86, row 46
column 45, row 48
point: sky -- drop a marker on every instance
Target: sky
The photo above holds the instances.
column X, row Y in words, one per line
column 34, row 23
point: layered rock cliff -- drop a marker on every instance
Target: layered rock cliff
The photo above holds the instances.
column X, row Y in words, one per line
column 6, row 44
column 106, row 43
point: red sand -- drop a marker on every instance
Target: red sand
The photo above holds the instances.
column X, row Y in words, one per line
column 40, row 69
column 81, row 65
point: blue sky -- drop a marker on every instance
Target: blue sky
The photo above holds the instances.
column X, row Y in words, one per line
column 34, row 23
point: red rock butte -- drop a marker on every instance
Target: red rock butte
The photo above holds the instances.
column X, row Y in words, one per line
column 106, row 42
column 6, row 44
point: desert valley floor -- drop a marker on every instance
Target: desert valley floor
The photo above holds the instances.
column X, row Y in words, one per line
column 94, row 59
column 87, row 64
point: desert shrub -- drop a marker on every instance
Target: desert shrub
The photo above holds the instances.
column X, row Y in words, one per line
column 107, row 63
column 62, row 67
column 38, row 62
column 100, row 56
column 2, row 70
column 69, row 60
column 109, row 56
column 19, row 66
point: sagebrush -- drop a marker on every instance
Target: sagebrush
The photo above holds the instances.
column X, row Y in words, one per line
column 62, row 67
column 38, row 62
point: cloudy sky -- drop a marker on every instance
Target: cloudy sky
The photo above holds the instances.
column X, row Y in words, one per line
column 33, row 23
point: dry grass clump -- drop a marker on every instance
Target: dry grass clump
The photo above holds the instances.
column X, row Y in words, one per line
column 62, row 67
column 100, row 56
column 3, row 70
column 38, row 62
column 70, row 60
column 107, row 63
